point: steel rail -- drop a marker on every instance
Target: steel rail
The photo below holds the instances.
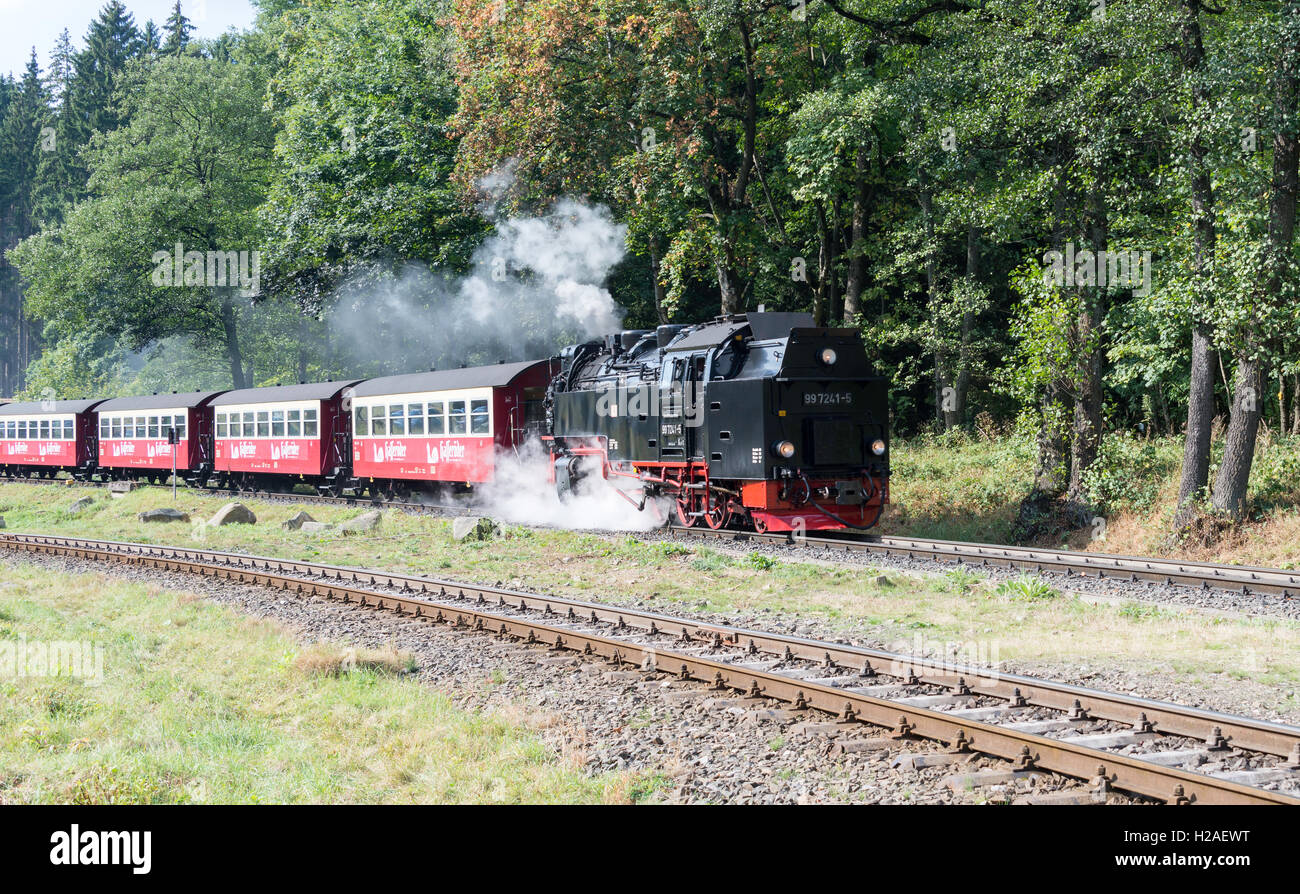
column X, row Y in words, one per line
column 1206, row 575
column 1243, row 579
column 1162, row 717
column 1027, row 750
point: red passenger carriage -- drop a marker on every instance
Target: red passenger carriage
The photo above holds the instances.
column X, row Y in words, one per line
column 48, row 437
column 443, row 428
column 267, row 436
column 133, row 436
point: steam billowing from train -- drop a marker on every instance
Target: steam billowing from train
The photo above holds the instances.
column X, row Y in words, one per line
column 535, row 285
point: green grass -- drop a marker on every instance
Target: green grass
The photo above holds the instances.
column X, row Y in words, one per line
column 1025, row 620
column 198, row 704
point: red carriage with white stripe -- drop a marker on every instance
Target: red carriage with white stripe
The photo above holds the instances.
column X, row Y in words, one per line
column 134, row 437
column 47, row 437
column 268, row 437
column 443, row 430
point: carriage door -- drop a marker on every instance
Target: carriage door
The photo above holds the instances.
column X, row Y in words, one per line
column 672, row 433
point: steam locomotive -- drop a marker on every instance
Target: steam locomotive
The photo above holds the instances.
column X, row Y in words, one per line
column 758, row 419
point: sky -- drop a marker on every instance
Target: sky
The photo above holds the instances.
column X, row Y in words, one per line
column 28, row 23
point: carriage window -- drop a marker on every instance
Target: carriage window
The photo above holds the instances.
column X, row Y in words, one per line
column 45, row 429
column 221, row 425
column 263, row 424
column 22, row 429
column 103, row 427
column 153, row 427
column 116, row 424
column 140, row 426
column 249, row 426
column 436, row 424
column 360, row 422
column 457, row 417
column 309, row 428
column 415, row 419
column 397, row 419
column 379, row 420
column 13, row 429
column 179, row 423
column 479, row 417
column 295, row 424
column 69, row 429
column 277, row 423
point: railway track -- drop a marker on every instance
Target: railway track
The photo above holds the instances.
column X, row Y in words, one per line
column 1103, row 566
column 1168, row 752
column 1242, row 579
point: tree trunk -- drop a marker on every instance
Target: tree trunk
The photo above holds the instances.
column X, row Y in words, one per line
column 1053, row 473
column 1085, row 442
column 825, row 297
column 1239, row 450
column 1239, row 443
column 233, row 353
column 1295, row 403
column 1200, row 405
column 857, row 260
column 942, row 375
column 660, row 294
column 956, row 417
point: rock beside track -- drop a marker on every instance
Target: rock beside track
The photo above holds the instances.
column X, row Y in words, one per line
column 81, row 505
column 315, row 527
column 233, row 514
column 296, row 522
column 474, row 528
column 366, row 521
column 163, row 515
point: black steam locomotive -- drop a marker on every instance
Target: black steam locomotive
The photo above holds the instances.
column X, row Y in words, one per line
column 758, row 420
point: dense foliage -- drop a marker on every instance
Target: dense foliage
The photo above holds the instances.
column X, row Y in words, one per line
column 1073, row 216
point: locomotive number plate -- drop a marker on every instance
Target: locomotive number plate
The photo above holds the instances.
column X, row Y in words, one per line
column 828, row 398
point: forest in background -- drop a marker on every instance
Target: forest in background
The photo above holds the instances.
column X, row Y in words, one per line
column 1074, row 218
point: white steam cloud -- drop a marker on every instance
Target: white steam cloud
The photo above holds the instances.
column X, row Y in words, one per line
column 521, row 494
column 536, row 284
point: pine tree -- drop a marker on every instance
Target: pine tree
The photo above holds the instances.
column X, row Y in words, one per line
column 59, row 180
column 178, row 30
column 150, row 40
column 112, row 41
column 62, row 61
column 23, row 135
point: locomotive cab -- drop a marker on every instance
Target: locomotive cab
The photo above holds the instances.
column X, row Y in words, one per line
column 757, row 419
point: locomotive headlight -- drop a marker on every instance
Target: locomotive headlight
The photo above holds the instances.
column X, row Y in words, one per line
column 878, row 447
column 784, row 449
column 828, row 356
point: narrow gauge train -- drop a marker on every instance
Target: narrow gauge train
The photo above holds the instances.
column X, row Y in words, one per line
column 756, row 420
